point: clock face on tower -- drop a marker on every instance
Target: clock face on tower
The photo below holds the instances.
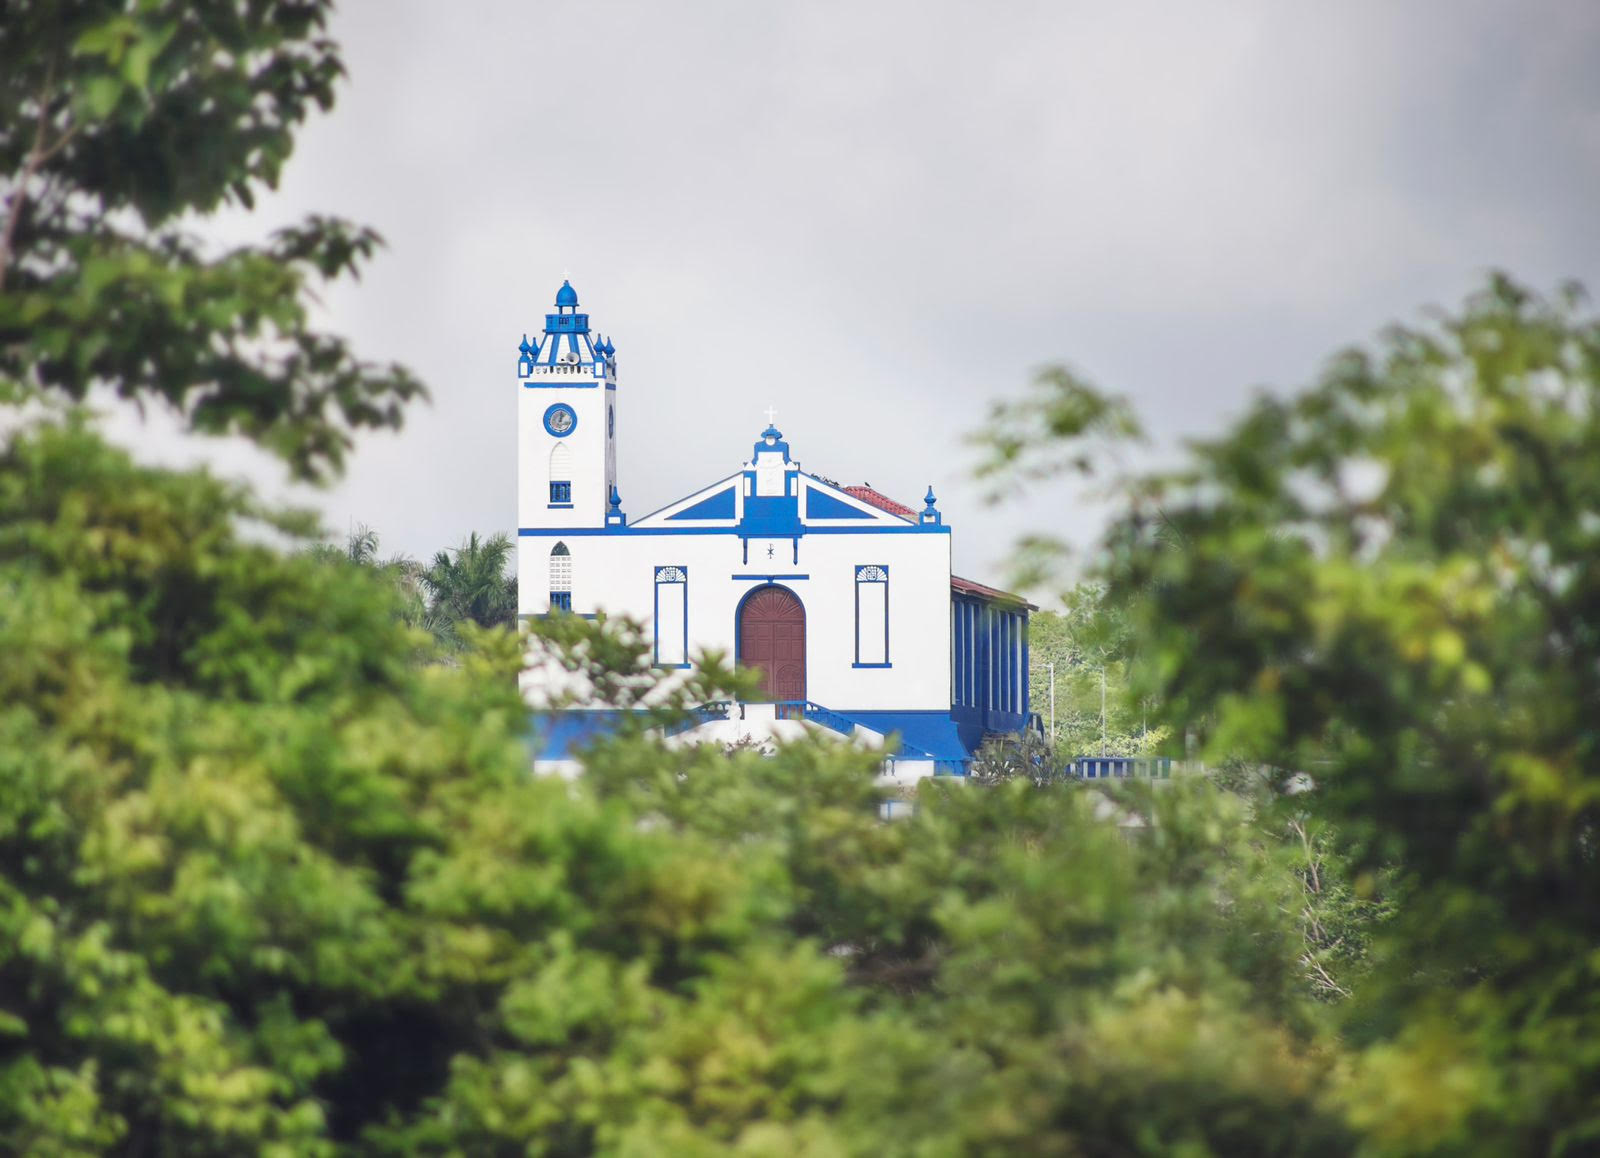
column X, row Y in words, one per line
column 559, row 420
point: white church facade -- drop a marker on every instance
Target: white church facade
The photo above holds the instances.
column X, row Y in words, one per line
column 837, row 599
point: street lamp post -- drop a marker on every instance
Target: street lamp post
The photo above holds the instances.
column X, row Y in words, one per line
column 1102, row 709
column 1051, row 668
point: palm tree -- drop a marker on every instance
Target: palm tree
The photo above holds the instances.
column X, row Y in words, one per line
column 472, row 582
column 407, row 575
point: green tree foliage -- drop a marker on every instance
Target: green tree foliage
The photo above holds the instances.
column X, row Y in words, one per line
column 1092, row 645
column 118, row 123
column 404, row 573
column 473, row 584
column 1388, row 582
column 269, row 886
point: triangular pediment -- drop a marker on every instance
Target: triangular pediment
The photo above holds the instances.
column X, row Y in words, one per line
column 711, row 506
column 823, row 504
column 810, row 503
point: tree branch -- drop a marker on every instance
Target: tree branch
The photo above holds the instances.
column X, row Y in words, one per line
column 37, row 156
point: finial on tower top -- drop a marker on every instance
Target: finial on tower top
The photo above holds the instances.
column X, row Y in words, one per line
column 772, row 416
column 566, row 296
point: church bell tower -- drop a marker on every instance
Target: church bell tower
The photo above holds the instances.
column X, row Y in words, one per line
column 566, row 421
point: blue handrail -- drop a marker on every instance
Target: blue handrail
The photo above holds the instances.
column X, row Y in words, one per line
column 816, row 713
column 704, row 714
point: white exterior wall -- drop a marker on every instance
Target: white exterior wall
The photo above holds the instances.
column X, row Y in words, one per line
column 615, row 572
column 590, row 444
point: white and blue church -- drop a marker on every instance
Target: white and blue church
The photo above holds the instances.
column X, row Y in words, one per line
column 839, row 600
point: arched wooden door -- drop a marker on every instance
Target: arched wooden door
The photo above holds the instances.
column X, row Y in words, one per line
column 772, row 641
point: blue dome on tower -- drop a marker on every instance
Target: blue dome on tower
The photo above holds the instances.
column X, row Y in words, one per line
column 566, row 296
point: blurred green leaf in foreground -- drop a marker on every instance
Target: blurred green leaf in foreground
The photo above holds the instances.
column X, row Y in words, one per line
column 1389, row 582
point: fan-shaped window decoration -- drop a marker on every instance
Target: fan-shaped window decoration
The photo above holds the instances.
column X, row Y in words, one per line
column 672, row 616
column 872, row 615
column 560, row 578
column 560, row 475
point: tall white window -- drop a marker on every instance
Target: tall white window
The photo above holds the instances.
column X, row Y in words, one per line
column 672, row 616
column 560, row 578
column 872, row 615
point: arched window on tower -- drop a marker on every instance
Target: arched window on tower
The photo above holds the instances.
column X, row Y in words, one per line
column 561, row 476
column 560, row 578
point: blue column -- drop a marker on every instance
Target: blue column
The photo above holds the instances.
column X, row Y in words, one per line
column 1027, row 672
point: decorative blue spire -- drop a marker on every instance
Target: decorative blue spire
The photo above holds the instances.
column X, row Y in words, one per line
column 615, row 517
column 611, row 351
column 525, row 363
column 772, row 443
column 930, row 512
column 568, row 347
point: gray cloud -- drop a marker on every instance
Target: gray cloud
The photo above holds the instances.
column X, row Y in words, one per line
column 879, row 217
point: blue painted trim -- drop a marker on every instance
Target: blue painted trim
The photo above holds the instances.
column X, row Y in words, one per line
column 655, row 623
column 773, row 579
column 818, row 483
column 560, row 408
column 821, row 505
column 558, row 506
column 860, row 582
column 635, row 529
column 561, row 385
column 1027, row 674
column 718, row 506
column 672, row 666
column 990, row 681
column 731, row 480
column 771, row 517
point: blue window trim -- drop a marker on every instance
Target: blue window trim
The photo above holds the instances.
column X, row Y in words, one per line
column 655, row 625
column 636, row 530
column 560, row 492
column 559, row 408
column 560, row 601
column 558, row 506
column 883, row 567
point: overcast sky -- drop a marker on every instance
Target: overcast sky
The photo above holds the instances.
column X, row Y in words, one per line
column 877, row 217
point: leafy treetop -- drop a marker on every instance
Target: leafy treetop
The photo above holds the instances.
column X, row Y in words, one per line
column 119, row 122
